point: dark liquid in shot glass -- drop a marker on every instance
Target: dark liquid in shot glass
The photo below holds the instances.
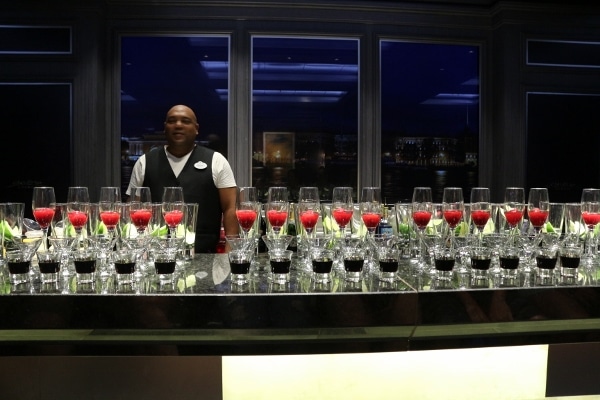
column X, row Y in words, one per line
column 49, row 267
column 442, row 264
column 546, row 262
column 509, row 262
column 481, row 263
column 388, row 265
column 569, row 262
column 164, row 267
column 353, row 265
column 18, row 267
column 280, row 266
column 242, row 267
column 322, row 265
column 85, row 266
column 125, row 267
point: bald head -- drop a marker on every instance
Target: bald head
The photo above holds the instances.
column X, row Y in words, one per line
column 182, row 110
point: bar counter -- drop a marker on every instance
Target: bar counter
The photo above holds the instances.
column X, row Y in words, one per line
column 202, row 315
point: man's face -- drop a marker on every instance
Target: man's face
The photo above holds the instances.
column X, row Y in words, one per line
column 181, row 126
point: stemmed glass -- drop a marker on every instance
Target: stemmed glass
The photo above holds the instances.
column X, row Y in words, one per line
column 309, row 209
column 422, row 210
column 43, row 205
column 370, row 208
column 342, row 207
column 110, row 214
column 514, row 207
column 246, row 208
column 277, row 207
column 453, row 208
column 140, row 211
column 173, row 207
column 78, row 208
column 538, row 208
column 480, row 209
column 590, row 213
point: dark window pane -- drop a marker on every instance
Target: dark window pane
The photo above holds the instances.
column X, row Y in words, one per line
column 305, row 118
column 429, row 117
column 35, row 40
column 36, row 140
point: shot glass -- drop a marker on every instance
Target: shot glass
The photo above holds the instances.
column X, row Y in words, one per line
column 546, row 258
column 388, row 258
column 570, row 256
column 19, row 264
column 509, row 265
column 85, row 265
column 125, row 261
column 354, row 261
column 280, row 261
column 481, row 259
column 443, row 261
column 191, row 211
column 165, row 260
column 239, row 262
column 322, row 263
column 49, row 264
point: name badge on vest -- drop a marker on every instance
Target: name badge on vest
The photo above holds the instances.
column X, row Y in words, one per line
column 200, row 165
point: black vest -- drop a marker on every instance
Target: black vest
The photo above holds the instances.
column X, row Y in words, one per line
column 198, row 187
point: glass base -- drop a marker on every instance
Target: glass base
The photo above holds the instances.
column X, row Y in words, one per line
column 279, row 278
column 239, row 279
column 321, row 278
column 49, row 278
column 18, row 279
column 86, row 278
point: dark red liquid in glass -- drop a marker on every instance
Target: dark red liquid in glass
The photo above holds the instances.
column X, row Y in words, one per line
column 164, row 267
column 239, row 267
column 85, row 266
column 353, row 265
column 322, row 266
column 569, row 262
column 509, row 262
column 279, row 266
column 124, row 267
column 480, row 263
column 546, row 262
column 443, row 264
column 49, row 267
column 388, row 265
column 18, row 267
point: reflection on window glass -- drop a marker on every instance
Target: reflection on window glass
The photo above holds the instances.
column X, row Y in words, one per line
column 429, row 118
column 158, row 72
column 305, row 118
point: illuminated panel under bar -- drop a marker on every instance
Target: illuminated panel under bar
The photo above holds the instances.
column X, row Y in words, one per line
column 17, row 39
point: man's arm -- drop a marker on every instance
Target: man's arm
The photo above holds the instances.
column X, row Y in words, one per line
column 228, row 197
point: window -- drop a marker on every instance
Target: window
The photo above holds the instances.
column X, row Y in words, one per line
column 305, row 113
column 429, row 118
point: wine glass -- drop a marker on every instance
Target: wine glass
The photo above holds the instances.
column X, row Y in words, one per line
column 370, row 208
column 422, row 210
column 538, row 208
column 342, row 207
column 590, row 213
column 43, row 205
column 246, row 208
column 277, row 207
column 480, row 209
column 78, row 207
column 110, row 214
column 453, row 208
column 140, row 211
column 309, row 208
column 172, row 207
column 513, row 209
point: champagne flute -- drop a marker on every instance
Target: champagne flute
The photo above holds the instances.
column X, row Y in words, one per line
column 172, row 207
column 370, row 208
column 480, row 209
column 110, row 214
column 538, row 208
column 514, row 208
column 246, row 208
column 78, row 207
column 590, row 213
column 277, row 207
column 342, row 207
column 453, row 208
column 140, row 211
column 43, row 205
column 422, row 210
column 309, row 208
